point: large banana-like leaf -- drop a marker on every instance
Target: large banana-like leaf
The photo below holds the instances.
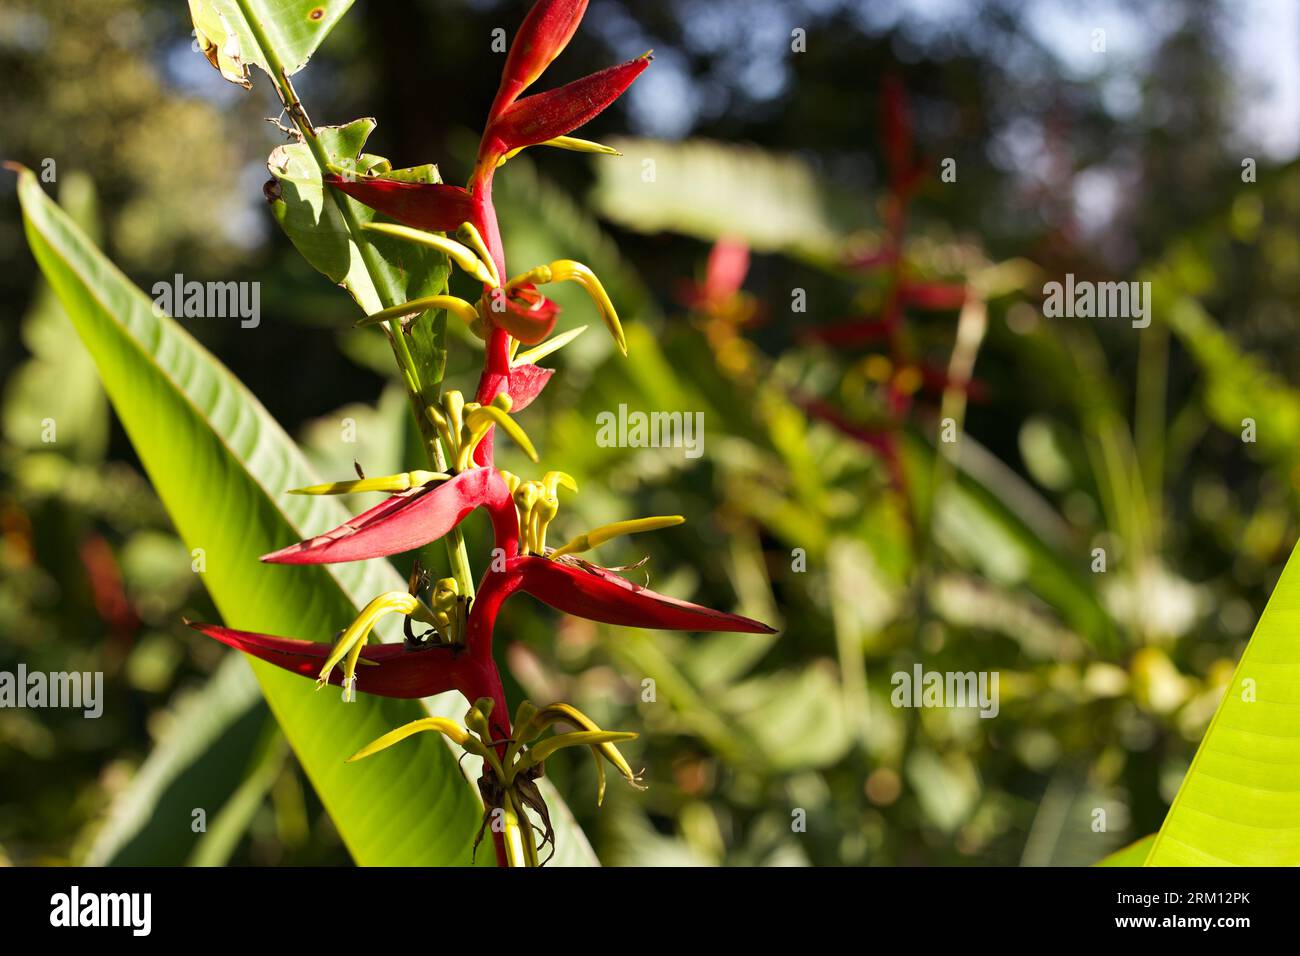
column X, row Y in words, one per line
column 1240, row 801
column 219, row 463
column 1132, row 855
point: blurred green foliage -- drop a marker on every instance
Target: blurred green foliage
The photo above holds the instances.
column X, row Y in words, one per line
column 782, row 750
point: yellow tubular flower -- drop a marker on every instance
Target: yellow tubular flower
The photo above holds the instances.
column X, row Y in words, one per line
column 391, row 483
column 460, row 254
column 597, row 537
column 453, row 406
column 564, row 142
column 470, row 236
column 482, row 418
column 567, row 270
column 448, row 610
column 462, row 425
column 458, row 307
column 554, row 344
column 579, row 738
column 536, row 504
column 569, row 714
column 353, row 640
column 448, row 728
column 525, row 497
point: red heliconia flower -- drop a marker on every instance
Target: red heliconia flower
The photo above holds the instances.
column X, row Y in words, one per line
column 512, row 124
column 455, row 650
column 896, row 128
column 904, row 292
column 573, row 586
column 410, row 520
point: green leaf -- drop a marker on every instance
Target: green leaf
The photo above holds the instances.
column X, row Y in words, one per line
column 228, row 827
column 992, row 521
column 271, row 34
column 324, row 225
column 768, row 705
column 1132, row 855
column 1238, row 386
column 196, row 764
column 1240, row 801
column 710, row 190
column 220, row 464
column 314, row 219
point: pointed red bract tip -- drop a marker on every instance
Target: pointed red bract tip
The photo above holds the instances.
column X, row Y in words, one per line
column 543, row 116
column 598, row 594
column 411, row 520
column 388, row 670
column 543, row 35
column 436, row 207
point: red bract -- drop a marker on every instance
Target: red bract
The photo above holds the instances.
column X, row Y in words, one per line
column 727, row 268
column 588, row 591
column 527, row 314
column 896, row 126
column 526, row 383
column 543, row 35
column 410, row 520
column 388, row 670
column 543, row 116
column 723, row 276
column 436, row 207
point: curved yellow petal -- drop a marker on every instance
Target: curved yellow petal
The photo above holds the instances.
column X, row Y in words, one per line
column 458, row 307
column 448, row 728
column 392, row 483
column 598, row 536
column 554, row 344
column 578, row 738
column 492, row 415
column 459, row 253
